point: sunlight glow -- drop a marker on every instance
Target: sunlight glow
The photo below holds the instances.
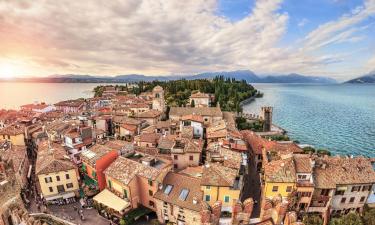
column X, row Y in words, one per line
column 7, row 71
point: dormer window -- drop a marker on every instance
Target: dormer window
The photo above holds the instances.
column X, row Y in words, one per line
column 168, row 189
column 183, row 194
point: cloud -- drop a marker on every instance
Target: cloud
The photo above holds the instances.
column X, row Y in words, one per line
column 303, row 22
column 162, row 37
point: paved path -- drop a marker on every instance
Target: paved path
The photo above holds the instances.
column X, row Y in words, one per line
column 252, row 187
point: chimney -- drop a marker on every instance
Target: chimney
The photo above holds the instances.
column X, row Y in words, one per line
column 195, row 201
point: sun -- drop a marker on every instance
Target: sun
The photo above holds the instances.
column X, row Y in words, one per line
column 7, row 71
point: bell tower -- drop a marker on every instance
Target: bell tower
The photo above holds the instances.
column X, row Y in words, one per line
column 158, row 101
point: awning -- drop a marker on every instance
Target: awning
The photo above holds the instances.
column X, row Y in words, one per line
column 68, row 195
column 344, row 188
column 111, row 200
column 53, row 197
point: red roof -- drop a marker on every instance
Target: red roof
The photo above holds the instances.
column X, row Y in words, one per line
column 257, row 143
column 193, row 117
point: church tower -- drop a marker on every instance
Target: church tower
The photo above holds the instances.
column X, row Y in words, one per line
column 158, row 101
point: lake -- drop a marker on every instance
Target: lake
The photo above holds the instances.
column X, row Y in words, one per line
column 340, row 117
column 15, row 94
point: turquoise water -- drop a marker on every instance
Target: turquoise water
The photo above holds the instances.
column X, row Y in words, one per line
column 339, row 117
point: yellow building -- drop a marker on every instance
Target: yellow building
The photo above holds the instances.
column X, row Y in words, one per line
column 13, row 133
column 57, row 175
column 279, row 178
column 220, row 183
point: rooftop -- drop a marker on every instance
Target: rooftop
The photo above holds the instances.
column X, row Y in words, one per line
column 181, row 190
column 215, row 174
column 203, row 111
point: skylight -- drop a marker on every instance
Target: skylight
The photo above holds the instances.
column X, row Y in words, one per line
column 168, row 189
column 183, row 195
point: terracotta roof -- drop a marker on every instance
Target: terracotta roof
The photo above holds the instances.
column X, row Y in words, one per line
column 153, row 113
column 174, row 185
column 203, row 111
column 280, row 171
column 193, row 171
column 71, row 103
column 116, row 144
column 164, row 124
column 129, row 127
column 332, row 171
column 193, row 117
column 94, row 153
column 51, row 160
column 232, row 159
column 124, row 170
column 187, row 145
column 215, row 174
column 34, row 106
column 303, row 163
column 150, row 138
column 13, row 130
column 166, row 142
column 16, row 153
column 257, row 143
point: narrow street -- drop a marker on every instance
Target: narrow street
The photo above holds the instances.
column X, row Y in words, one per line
column 253, row 189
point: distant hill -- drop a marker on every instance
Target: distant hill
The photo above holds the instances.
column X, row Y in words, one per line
column 297, row 78
column 366, row 79
column 247, row 75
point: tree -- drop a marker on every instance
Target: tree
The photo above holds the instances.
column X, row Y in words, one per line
column 192, row 104
column 122, row 222
column 368, row 216
column 349, row 219
column 312, row 220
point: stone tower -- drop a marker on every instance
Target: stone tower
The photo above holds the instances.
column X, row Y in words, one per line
column 158, row 101
column 267, row 118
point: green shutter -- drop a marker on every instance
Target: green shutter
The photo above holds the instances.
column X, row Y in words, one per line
column 93, row 174
column 125, row 193
column 109, row 183
column 83, row 167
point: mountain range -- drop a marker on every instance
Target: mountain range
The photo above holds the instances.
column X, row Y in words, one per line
column 247, row 75
column 365, row 79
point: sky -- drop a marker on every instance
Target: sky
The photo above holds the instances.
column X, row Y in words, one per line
column 330, row 38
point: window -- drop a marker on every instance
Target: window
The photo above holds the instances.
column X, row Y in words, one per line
column 366, row 188
column 356, row 188
column 60, row 188
column 226, row 198
column 58, row 178
column 339, row 192
column 191, row 158
column 304, row 194
column 48, row 179
column 343, row 200
column 351, row 200
column 110, row 184
column 151, row 203
column 150, row 193
column 67, row 176
column 183, row 194
column 69, row 185
column 125, row 193
column 275, row 188
column 175, row 157
column 175, row 166
column 325, row 192
column 207, row 198
column 362, row 199
column 168, row 189
column 289, row 189
column 93, row 174
column 150, row 182
column 208, row 187
column 302, row 177
column 50, row 189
